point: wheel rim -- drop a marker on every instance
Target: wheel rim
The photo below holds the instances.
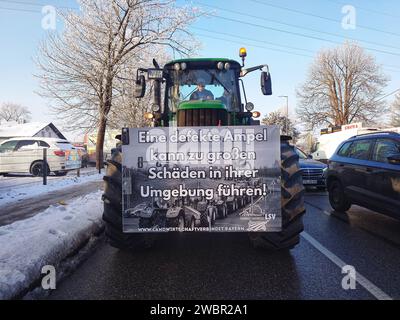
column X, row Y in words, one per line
column 37, row 170
column 336, row 195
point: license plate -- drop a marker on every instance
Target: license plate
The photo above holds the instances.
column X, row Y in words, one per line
column 310, row 181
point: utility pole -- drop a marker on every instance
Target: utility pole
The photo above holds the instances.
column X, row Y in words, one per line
column 286, row 113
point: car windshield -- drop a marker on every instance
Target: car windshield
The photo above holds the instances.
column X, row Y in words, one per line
column 301, row 154
column 209, row 84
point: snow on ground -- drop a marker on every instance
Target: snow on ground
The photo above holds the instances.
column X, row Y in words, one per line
column 18, row 193
column 46, row 239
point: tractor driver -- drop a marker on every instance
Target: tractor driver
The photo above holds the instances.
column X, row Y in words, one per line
column 201, row 92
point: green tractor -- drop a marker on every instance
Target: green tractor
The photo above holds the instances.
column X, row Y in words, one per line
column 206, row 92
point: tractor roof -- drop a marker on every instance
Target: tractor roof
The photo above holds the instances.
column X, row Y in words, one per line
column 204, row 61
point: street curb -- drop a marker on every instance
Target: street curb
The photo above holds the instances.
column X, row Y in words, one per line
column 21, row 266
column 66, row 253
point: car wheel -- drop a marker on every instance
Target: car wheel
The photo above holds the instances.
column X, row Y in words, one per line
column 37, row 169
column 145, row 223
column 178, row 222
column 337, row 197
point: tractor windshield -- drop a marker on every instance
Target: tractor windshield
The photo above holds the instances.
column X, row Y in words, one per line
column 204, row 84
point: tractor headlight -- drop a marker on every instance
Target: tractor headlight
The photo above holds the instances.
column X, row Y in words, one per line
column 183, row 66
column 220, row 66
column 227, row 66
column 155, row 108
column 256, row 114
column 177, row 66
column 148, row 116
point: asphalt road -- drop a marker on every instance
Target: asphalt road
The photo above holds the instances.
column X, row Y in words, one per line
column 225, row 266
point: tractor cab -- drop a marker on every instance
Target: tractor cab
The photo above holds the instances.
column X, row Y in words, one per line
column 201, row 92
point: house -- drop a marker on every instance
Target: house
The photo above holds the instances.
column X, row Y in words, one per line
column 33, row 129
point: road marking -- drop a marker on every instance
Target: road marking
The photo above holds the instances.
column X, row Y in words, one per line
column 364, row 282
column 316, row 207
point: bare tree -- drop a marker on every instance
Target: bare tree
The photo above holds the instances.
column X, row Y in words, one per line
column 79, row 68
column 129, row 111
column 395, row 112
column 277, row 118
column 343, row 85
column 14, row 112
column 307, row 142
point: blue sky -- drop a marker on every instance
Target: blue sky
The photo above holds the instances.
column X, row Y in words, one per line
column 272, row 24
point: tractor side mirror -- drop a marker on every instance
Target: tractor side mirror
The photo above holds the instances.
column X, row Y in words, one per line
column 140, row 87
column 266, row 83
column 394, row 159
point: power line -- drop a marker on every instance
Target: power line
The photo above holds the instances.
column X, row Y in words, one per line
column 320, row 17
column 368, row 10
column 386, row 67
column 35, row 4
column 392, row 66
column 19, row 10
column 387, row 95
column 250, row 39
column 236, row 36
column 253, row 45
column 296, row 26
column 298, row 34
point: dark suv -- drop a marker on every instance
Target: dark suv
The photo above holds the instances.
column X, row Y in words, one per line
column 365, row 170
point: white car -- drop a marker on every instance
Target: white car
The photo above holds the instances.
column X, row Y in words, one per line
column 25, row 155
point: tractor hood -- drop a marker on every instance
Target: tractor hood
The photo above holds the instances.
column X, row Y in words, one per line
column 201, row 104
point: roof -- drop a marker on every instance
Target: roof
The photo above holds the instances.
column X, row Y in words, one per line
column 38, row 139
column 376, row 134
column 26, row 129
column 188, row 60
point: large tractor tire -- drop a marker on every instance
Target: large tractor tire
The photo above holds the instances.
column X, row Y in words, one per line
column 112, row 214
column 292, row 204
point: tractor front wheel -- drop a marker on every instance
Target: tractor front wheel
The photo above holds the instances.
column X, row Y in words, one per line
column 292, row 205
column 112, row 216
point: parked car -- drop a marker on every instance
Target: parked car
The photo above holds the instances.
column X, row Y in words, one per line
column 25, row 155
column 365, row 170
column 313, row 171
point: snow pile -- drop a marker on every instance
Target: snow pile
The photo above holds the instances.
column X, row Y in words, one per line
column 28, row 191
column 46, row 239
